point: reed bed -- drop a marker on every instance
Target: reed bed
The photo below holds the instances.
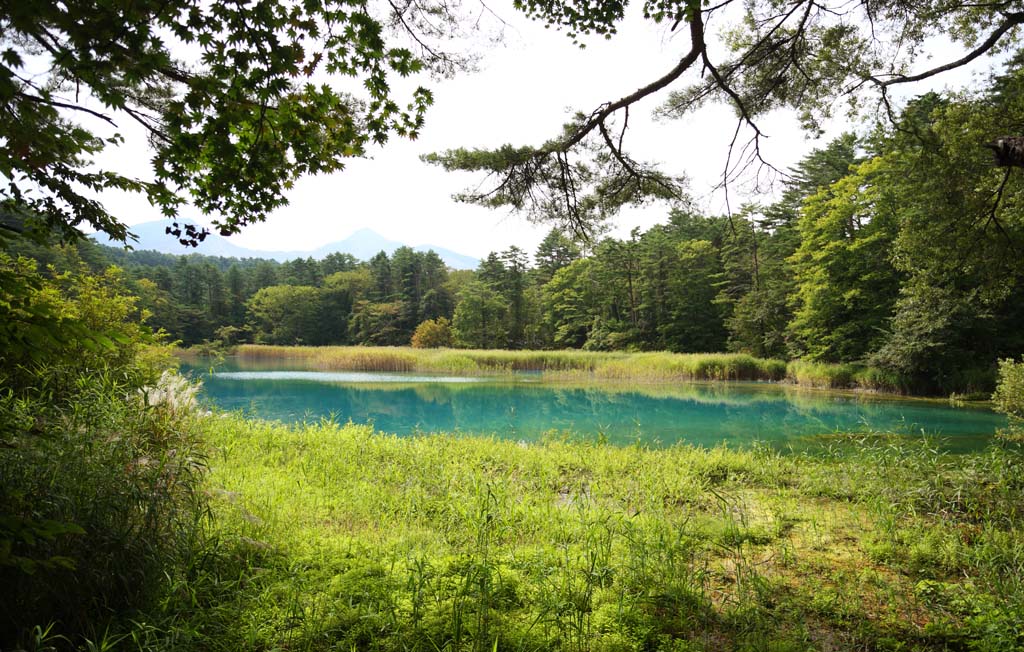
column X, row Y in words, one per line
column 568, row 364
column 692, row 366
column 844, row 376
column 585, row 365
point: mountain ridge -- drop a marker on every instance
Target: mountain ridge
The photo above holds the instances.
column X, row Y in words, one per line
column 363, row 244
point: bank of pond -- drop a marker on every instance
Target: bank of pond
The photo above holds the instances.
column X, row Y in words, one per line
column 569, row 364
column 598, row 365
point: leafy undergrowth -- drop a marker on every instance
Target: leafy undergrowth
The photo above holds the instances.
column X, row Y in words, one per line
column 338, row 538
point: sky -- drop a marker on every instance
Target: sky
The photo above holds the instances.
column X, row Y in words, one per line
column 527, row 85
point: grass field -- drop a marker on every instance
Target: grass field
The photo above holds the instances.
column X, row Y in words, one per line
column 338, row 538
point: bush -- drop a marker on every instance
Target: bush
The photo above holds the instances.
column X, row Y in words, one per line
column 1009, row 398
column 433, row 334
column 99, row 461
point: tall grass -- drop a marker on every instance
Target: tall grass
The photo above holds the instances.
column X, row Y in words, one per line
column 342, row 538
column 100, row 471
column 695, row 366
column 569, row 364
column 555, row 364
column 845, row 376
column 101, row 503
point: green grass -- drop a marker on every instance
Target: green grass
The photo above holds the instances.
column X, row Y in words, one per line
column 339, row 538
column 98, row 503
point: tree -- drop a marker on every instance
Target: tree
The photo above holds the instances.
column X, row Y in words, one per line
column 959, row 242
column 231, row 129
column 846, row 283
column 694, row 323
column 263, row 276
column 236, row 296
column 339, row 295
column 216, row 301
column 300, row 271
column 380, row 270
column 616, row 274
column 513, row 288
column 481, row 317
column 658, row 267
column 288, row 314
column 553, row 253
column 809, row 56
column 190, row 291
column 438, row 299
column 338, row 262
column 758, row 281
column 1009, row 398
column 407, row 284
column 378, row 324
column 569, row 303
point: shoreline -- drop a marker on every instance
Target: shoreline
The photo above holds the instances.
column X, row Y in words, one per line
column 647, row 368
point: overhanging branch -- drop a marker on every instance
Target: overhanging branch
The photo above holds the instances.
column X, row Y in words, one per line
column 1011, row 21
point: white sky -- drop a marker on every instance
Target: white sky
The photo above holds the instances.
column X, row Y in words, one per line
column 526, row 88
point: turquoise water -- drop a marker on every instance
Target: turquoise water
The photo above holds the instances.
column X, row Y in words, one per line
column 524, row 408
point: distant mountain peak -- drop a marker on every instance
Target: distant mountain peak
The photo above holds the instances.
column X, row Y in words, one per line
column 363, row 243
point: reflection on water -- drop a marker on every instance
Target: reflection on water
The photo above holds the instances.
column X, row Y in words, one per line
column 523, row 408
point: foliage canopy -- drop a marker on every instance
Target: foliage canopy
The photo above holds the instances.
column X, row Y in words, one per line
column 238, row 100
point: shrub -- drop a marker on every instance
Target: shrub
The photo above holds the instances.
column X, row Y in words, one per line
column 1009, row 398
column 100, row 494
column 432, row 334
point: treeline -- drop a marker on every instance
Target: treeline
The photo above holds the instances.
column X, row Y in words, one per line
column 900, row 250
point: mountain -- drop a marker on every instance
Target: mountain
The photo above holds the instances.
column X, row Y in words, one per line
column 366, row 243
column 363, row 244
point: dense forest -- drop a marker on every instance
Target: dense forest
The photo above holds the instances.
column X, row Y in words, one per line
column 890, row 250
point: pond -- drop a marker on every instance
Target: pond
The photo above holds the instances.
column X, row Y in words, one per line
column 523, row 407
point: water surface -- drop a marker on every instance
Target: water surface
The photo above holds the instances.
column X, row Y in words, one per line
column 523, row 407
